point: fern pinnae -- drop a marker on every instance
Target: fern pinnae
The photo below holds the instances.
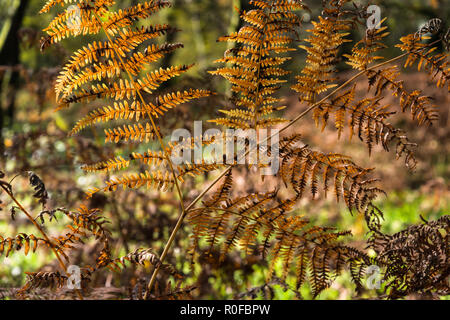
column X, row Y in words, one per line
column 136, row 111
column 71, row 72
column 255, row 73
column 436, row 64
column 156, row 180
column 121, row 110
column 137, row 132
column 246, row 213
column 116, row 163
column 21, row 240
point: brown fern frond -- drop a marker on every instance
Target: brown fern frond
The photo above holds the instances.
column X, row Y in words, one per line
column 419, row 105
column 52, row 280
column 326, row 38
column 387, row 78
column 436, row 64
column 363, row 51
column 367, row 119
column 256, row 62
column 173, row 292
column 237, row 222
column 45, row 279
column 416, row 260
column 301, row 167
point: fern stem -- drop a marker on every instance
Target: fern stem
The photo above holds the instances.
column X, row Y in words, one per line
column 169, row 161
column 44, row 234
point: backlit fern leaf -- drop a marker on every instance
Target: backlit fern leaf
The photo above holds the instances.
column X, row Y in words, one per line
column 136, row 132
column 436, row 64
column 326, row 38
column 255, row 63
column 119, row 69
